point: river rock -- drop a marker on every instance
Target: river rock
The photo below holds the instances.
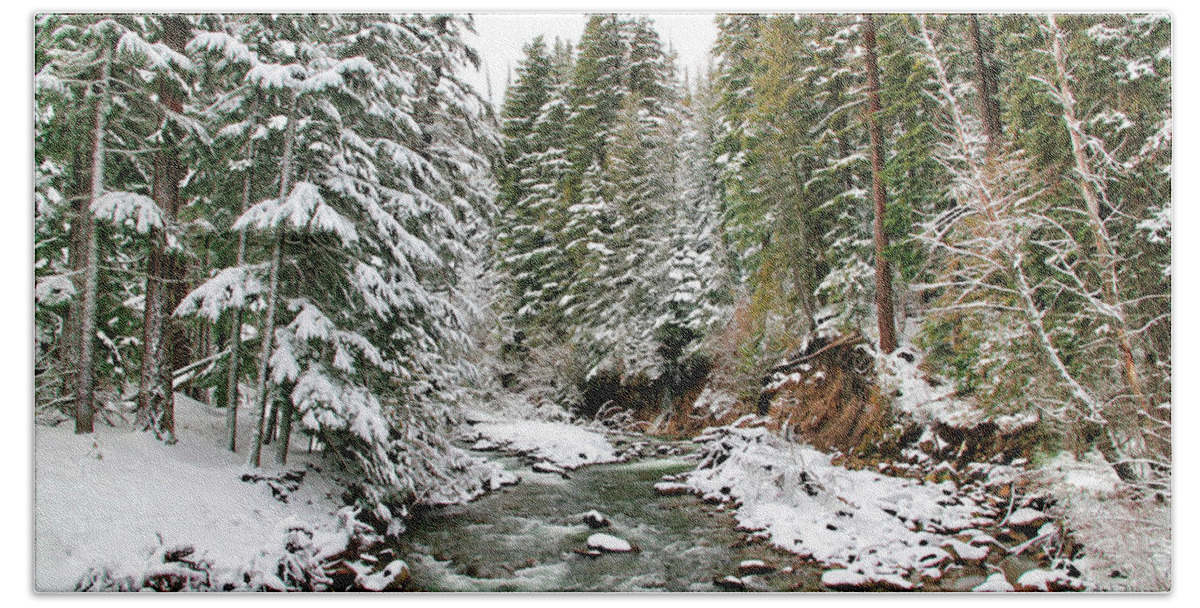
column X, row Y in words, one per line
column 754, row 566
column 608, row 543
column 670, row 488
column 730, row 583
column 595, row 519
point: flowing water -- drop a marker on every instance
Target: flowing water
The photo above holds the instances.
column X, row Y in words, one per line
column 525, row 537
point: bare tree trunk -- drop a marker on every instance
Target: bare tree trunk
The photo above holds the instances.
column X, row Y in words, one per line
column 1088, row 185
column 286, row 413
column 883, row 274
column 1133, row 446
column 87, row 282
column 267, row 337
column 985, row 84
column 235, row 332
column 268, row 325
column 79, row 197
column 165, row 273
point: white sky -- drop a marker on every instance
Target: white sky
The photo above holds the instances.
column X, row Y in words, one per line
column 501, row 37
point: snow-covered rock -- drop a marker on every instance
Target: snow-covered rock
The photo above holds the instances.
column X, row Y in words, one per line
column 595, row 519
column 967, row 551
column 546, row 467
column 609, row 543
column 1047, row 580
column 996, row 583
column 853, row 580
column 732, row 583
column 1026, row 517
column 392, row 577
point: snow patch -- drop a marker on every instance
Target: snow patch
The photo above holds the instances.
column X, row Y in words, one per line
column 562, row 444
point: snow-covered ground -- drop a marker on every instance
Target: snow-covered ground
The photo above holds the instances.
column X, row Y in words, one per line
column 559, row 443
column 111, row 499
column 878, row 527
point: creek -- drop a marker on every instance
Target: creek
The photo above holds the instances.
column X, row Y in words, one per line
column 525, row 537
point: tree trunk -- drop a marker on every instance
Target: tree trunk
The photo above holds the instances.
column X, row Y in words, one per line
column 985, row 85
column 883, row 273
column 87, row 281
column 264, row 357
column 803, row 260
column 164, row 340
column 286, row 413
column 268, row 325
column 79, row 197
column 1110, row 282
column 235, row 332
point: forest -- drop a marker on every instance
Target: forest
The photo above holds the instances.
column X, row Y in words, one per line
column 877, row 302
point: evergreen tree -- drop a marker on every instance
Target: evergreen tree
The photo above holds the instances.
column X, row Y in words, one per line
column 381, row 186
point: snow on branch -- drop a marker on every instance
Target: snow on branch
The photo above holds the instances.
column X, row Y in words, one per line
column 128, row 209
column 157, row 56
column 53, row 290
column 327, row 404
column 221, row 43
column 275, row 76
column 304, row 209
column 227, row 290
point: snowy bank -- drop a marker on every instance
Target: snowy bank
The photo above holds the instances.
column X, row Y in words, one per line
column 562, row 444
column 124, row 511
column 114, row 498
column 795, row 498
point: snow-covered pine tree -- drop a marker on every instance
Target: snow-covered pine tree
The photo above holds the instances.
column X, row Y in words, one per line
column 392, row 151
column 165, row 268
column 743, row 226
column 588, row 242
column 697, row 283
column 233, row 109
column 532, row 213
column 598, row 85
